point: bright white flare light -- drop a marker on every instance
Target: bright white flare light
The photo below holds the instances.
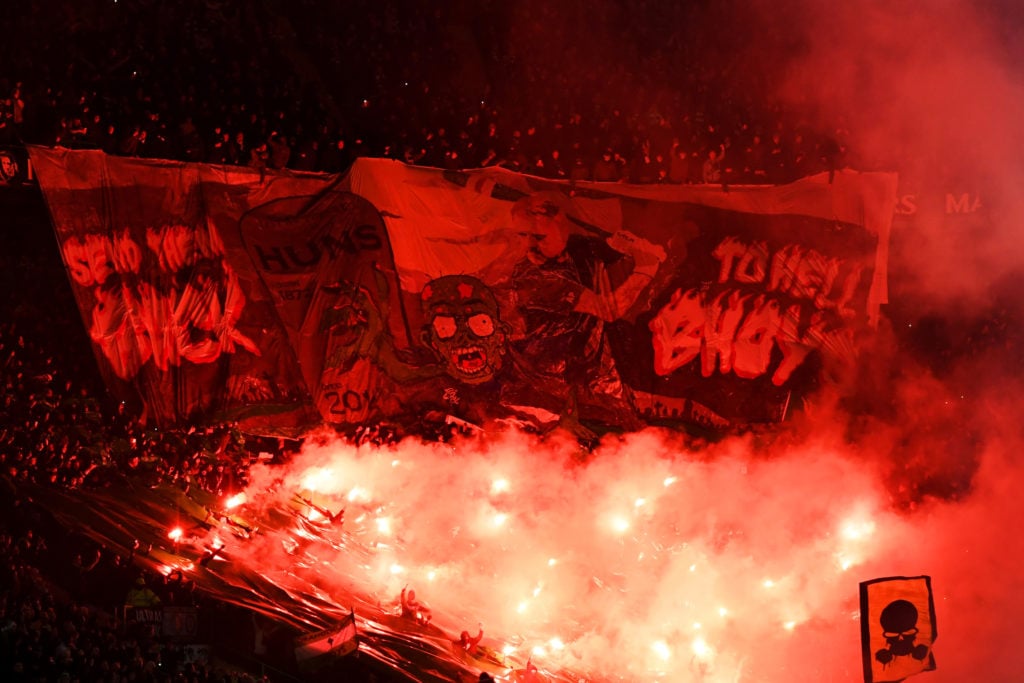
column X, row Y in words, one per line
column 613, row 531
column 318, row 479
column 701, row 648
column 856, row 530
column 358, row 493
column 844, row 561
column 235, row 500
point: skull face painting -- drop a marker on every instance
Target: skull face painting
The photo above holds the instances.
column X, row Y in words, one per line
column 898, row 627
column 899, row 621
column 463, row 327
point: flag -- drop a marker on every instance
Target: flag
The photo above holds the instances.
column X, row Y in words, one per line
column 339, row 640
column 898, row 629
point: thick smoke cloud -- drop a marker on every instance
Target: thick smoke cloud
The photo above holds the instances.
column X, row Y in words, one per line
column 932, row 91
column 651, row 557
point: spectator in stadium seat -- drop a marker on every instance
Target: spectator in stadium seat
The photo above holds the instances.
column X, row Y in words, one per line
column 259, row 157
column 469, row 644
column 413, row 608
column 238, row 151
column 644, row 168
column 679, row 164
column 711, row 172
column 754, row 167
column 605, row 168
column 141, row 595
column 279, row 151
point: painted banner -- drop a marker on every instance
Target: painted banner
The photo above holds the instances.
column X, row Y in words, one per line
column 326, row 262
column 898, row 628
column 623, row 305
column 410, row 294
column 182, row 326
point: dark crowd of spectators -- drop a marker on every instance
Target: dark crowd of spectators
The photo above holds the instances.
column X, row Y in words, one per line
column 57, row 613
column 611, row 91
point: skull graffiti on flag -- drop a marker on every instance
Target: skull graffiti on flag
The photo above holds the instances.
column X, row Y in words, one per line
column 897, row 627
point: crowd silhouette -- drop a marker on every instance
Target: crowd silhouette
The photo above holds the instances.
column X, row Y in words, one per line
column 309, row 86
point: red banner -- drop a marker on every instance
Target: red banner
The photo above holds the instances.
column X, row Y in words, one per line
column 398, row 293
column 179, row 322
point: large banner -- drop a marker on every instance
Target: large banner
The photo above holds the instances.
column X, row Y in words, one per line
column 403, row 294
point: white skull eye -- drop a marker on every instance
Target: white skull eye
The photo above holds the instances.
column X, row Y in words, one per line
column 481, row 324
column 900, row 634
column 444, row 326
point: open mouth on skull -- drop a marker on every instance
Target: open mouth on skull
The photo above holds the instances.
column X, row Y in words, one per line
column 471, row 360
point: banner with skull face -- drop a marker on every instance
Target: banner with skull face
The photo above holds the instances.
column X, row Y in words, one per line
column 397, row 292
column 898, row 627
column 628, row 305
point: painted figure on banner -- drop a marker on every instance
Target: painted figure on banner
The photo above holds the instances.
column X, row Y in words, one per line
column 327, row 268
column 463, row 326
column 362, row 370
column 572, row 280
